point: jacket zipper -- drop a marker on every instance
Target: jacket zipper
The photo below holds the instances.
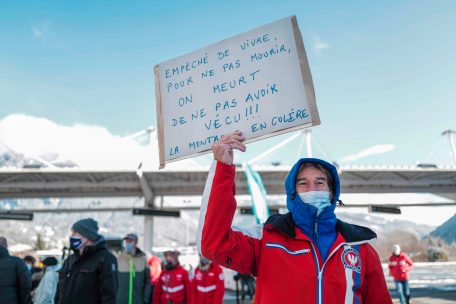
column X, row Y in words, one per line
column 320, row 272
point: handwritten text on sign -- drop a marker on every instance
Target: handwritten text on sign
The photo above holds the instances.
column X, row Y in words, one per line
column 257, row 82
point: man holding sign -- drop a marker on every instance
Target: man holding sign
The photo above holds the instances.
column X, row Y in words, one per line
column 304, row 256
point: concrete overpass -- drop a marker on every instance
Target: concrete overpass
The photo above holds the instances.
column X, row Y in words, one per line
column 63, row 183
column 46, row 183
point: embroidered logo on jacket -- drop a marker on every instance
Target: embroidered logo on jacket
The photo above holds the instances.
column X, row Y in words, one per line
column 351, row 259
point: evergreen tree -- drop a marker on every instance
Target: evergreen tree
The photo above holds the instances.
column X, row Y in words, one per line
column 40, row 244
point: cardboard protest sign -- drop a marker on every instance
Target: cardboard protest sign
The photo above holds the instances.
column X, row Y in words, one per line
column 258, row 82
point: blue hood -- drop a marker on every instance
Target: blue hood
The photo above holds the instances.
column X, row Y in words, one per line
column 320, row 229
column 291, row 179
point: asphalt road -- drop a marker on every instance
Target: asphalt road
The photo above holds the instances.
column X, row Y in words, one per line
column 430, row 283
column 419, row 296
column 429, row 296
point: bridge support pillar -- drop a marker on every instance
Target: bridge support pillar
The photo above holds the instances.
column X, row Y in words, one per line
column 148, row 233
column 149, row 202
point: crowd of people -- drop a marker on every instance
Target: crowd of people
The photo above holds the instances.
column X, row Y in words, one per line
column 94, row 274
column 305, row 256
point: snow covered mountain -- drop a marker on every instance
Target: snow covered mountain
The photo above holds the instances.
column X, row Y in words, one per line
column 384, row 226
column 55, row 227
column 446, row 231
column 40, row 142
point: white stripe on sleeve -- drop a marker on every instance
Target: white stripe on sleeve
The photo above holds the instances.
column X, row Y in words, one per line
column 204, row 203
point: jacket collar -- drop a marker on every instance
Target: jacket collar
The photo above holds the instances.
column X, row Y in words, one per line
column 98, row 245
column 283, row 223
column 138, row 253
column 177, row 267
column 350, row 232
column 305, row 217
column 52, row 268
column 355, row 233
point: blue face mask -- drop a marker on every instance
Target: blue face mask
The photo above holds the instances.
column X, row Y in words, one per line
column 129, row 247
column 76, row 242
column 318, row 199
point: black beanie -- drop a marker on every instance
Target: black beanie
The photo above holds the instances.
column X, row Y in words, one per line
column 87, row 228
column 50, row 261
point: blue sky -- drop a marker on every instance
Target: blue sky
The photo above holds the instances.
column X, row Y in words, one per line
column 384, row 72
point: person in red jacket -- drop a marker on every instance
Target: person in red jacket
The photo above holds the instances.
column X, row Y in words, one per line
column 173, row 286
column 155, row 270
column 399, row 266
column 304, row 256
column 208, row 285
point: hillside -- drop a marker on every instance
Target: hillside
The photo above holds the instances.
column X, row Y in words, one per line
column 446, row 231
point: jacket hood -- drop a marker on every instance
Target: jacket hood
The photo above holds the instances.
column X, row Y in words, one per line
column 100, row 244
column 291, row 178
column 320, row 228
column 4, row 252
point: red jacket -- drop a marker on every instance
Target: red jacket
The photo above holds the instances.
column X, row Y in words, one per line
column 399, row 266
column 155, row 268
column 208, row 286
column 285, row 261
column 173, row 286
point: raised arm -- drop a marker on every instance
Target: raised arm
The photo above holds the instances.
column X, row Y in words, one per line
column 217, row 241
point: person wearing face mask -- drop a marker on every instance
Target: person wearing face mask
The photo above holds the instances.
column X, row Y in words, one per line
column 173, row 286
column 208, row 285
column 134, row 274
column 89, row 275
column 35, row 272
column 399, row 266
column 304, row 256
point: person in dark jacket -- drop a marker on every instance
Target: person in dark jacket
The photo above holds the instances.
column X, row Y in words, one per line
column 134, row 274
column 15, row 279
column 89, row 276
column 35, row 272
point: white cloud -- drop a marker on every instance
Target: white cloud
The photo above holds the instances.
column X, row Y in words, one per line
column 42, row 31
column 319, row 44
column 374, row 150
column 91, row 147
